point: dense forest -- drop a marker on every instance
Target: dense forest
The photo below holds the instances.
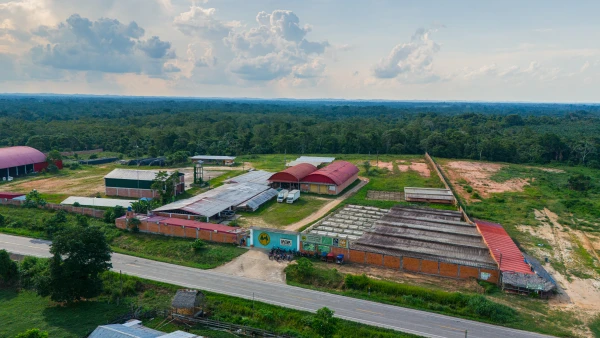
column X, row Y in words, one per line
column 510, row 132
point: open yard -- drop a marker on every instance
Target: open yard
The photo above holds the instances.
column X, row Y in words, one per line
column 278, row 215
column 545, row 216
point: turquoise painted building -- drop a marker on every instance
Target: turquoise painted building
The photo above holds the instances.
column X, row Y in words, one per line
column 265, row 238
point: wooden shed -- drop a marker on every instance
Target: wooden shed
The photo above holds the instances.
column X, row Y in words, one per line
column 188, row 302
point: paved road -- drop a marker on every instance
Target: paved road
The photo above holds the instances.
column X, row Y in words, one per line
column 397, row 318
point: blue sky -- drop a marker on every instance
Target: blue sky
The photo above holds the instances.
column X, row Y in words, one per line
column 400, row 50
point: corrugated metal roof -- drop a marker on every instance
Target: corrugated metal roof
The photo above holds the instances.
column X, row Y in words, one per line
column 504, row 251
column 260, row 199
column 216, row 200
column 314, row 160
column 122, row 331
column 213, row 158
column 428, row 193
column 19, row 156
column 338, row 172
column 255, row 176
column 97, row 202
column 10, row 195
column 132, row 174
column 188, row 223
column 293, row 174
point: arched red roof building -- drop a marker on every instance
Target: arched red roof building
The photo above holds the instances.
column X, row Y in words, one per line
column 20, row 160
column 293, row 174
column 331, row 179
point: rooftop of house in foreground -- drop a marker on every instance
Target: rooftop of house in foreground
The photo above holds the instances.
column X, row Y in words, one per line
column 432, row 234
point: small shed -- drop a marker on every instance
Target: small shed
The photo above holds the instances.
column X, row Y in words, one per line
column 188, row 302
column 429, row 195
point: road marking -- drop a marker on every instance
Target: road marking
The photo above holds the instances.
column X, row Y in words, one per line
column 377, row 313
column 131, row 264
column 303, row 298
column 451, row 328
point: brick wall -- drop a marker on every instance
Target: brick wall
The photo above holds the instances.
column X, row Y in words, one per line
column 186, row 232
column 130, row 192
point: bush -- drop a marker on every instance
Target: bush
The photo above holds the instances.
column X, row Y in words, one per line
column 93, row 157
column 74, row 166
column 33, row 200
column 580, row 182
column 134, row 225
column 496, row 312
column 76, row 204
column 9, row 271
column 198, row 245
column 33, row 333
column 2, row 220
column 468, row 189
column 476, row 196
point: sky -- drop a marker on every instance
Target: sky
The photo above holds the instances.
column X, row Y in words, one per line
column 535, row 51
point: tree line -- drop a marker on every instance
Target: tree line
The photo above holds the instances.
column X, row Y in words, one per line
column 517, row 133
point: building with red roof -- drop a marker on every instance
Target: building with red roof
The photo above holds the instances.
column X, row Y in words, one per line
column 21, row 160
column 291, row 177
column 504, row 251
column 331, row 180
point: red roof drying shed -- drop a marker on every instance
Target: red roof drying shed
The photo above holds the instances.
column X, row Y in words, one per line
column 336, row 173
column 293, row 174
column 504, row 251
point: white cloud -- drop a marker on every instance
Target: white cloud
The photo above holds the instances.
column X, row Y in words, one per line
column 585, row 66
column 410, row 62
column 203, row 22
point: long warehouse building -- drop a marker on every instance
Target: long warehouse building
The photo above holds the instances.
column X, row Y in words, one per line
column 136, row 183
column 22, row 160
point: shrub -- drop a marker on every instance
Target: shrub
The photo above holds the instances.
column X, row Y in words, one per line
column 33, row 199
column 468, row 189
column 2, row 220
column 76, row 204
column 93, row 157
column 476, row 196
column 580, row 182
column 496, row 312
column 134, row 225
column 33, row 333
column 9, row 271
column 198, row 245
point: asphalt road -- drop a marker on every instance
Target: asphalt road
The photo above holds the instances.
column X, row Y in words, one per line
column 412, row 321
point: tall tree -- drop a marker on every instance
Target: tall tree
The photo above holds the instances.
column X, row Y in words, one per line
column 80, row 255
column 165, row 185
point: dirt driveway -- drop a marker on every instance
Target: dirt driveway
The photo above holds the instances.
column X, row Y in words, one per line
column 255, row 264
column 327, row 207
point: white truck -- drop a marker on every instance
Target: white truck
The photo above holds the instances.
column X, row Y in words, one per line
column 283, row 194
column 293, row 196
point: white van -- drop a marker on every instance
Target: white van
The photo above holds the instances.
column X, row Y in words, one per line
column 293, row 196
column 283, row 194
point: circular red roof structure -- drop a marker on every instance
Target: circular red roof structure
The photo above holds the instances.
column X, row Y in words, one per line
column 20, row 156
column 293, row 174
column 336, row 173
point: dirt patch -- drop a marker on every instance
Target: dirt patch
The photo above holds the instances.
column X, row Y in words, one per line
column 582, row 295
column 420, row 167
column 83, row 186
column 477, row 175
column 549, row 170
column 255, row 264
column 384, row 165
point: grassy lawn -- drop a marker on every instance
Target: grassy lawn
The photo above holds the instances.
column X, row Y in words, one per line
column 30, row 223
column 509, row 310
column 79, row 319
column 277, row 215
column 175, row 250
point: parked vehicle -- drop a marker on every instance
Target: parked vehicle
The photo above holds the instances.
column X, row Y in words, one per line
column 283, row 194
column 293, row 196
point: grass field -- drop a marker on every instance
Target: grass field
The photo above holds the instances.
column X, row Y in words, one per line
column 30, row 222
column 511, row 311
column 79, row 319
column 277, row 215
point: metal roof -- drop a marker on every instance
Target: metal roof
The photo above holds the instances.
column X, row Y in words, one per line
column 255, row 176
column 337, row 172
column 314, row 160
column 293, row 174
column 185, row 298
column 123, row 331
column 97, row 202
column 260, row 199
column 504, row 251
column 132, row 174
column 428, row 193
column 216, row 200
column 212, row 158
column 19, row 156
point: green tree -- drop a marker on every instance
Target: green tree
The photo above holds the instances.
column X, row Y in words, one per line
column 367, row 166
column 33, row 333
column 324, row 323
column 82, row 220
column 80, row 255
column 580, row 182
column 34, row 273
column 305, row 268
column 33, row 199
column 165, row 185
column 53, row 157
column 9, row 271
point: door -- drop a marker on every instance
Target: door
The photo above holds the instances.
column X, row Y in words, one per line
column 314, row 188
